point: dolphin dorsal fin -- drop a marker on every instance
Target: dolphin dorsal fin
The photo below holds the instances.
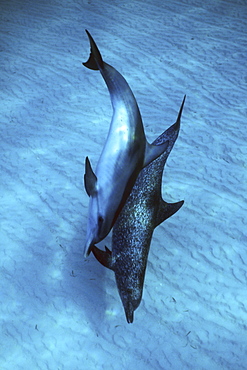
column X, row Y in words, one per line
column 166, row 210
column 104, row 257
column 154, row 151
column 90, row 179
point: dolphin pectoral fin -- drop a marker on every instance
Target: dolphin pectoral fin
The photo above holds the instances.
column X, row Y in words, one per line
column 167, row 210
column 95, row 60
column 104, row 257
column 154, row 151
column 90, row 179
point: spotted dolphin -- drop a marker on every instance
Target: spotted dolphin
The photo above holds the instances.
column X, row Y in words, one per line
column 125, row 153
column 143, row 211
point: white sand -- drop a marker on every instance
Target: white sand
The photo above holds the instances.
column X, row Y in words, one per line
column 59, row 311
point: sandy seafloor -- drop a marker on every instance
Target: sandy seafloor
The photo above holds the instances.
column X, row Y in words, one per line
column 59, row 310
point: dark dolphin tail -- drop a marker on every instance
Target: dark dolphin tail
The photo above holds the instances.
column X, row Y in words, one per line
column 95, row 60
column 177, row 123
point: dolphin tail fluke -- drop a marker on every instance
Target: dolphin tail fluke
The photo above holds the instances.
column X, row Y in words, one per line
column 154, row 151
column 167, row 210
column 95, row 60
column 104, row 257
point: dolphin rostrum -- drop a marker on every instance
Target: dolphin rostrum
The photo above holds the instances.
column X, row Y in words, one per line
column 125, row 153
column 143, row 211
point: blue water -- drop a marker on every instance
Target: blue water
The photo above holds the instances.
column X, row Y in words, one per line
column 59, row 310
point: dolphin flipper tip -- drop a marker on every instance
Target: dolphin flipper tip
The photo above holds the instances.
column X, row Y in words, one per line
column 167, row 210
column 104, row 257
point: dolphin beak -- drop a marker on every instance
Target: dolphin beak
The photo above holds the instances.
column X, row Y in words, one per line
column 129, row 312
column 130, row 317
column 89, row 244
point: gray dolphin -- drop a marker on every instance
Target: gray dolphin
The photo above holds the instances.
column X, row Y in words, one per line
column 125, row 153
column 143, row 211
